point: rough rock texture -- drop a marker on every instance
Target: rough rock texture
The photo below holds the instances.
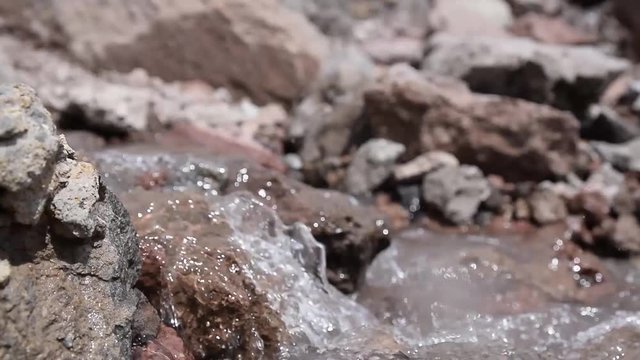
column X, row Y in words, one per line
column 193, row 276
column 258, row 47
column 567, row 77
column 372, row 165
column 550, row 30
column 117, row 104
column 456, row 192
column 603, row 123
column 423, row 164
column 513, row 138
column 29, row 147
column 64, row 298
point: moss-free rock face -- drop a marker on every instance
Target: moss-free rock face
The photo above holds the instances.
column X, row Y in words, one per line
column 69, row 254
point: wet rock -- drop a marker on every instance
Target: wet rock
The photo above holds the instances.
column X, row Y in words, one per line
column 27, row 153
column 64, row 299
column 604, row 124
column 547, row 207
column 550, row 30
column 372, row 165
column 84, row 141
column 569, row 78
column 512, row 138
column 226, row 43
column 625, row 156
column 423, row 164
column 456, row 192
column 167, row 345
column 628, row 12
column 620, row 341
column 469, row 17
column 352, row 234
column 594, row 206
column 146, row 322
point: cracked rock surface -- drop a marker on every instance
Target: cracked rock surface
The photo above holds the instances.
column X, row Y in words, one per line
column 69, row 255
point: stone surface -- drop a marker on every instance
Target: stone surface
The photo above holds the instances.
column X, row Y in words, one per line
column 372, row 164
column 512, row 138
column 456, row 192
column 566, row 77
column 261, row 47
column 547, row 207
column 118, row 104
column 549, row 7
column 27, row 153
column 65, row 299
column 167, row 345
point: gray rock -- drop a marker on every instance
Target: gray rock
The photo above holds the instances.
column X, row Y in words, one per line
column 456, row 192
column 423, row 164
column 372, row 165
column 65, row 299
column 625, row 157
column 547, row 207
column 567, row 77
column 548, row 7
column 27, row 153
column 74, row 200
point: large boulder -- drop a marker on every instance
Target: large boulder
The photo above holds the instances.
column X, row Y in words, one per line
column 260, row 47
column 509, row 137
column 69, row 253
column 570, row 78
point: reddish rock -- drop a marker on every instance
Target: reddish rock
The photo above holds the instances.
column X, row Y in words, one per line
column 167, row 345
column 512, row 138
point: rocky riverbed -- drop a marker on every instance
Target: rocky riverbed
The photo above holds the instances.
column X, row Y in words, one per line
column 302, row 179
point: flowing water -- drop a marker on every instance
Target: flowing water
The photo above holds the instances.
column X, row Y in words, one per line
column 531, row 295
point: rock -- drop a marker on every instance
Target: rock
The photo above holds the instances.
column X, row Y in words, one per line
column 626, row 235
column 73, row 201
column 261, row 48
column 167, row 345
column 423, row 164
column 625, row 157
column 146, row 322
column 604, row 124
column 456, row 192
column 569, row 78
column 372, row 165
column 628, row 12
column 325, row 122
column 114, row 105
column 27, row 153
column 5, row 271
column 65, row 299
column 353, row 234
column 594, row 206
column 469, row 17
column 550, row 30
column 548, row 7
column 547, row 207
column 620, row 340
column 512, row 138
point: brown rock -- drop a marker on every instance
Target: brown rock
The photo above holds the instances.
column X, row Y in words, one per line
column 592, row 205
column 259, row 47
column 512, row 138
column 470, row 17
